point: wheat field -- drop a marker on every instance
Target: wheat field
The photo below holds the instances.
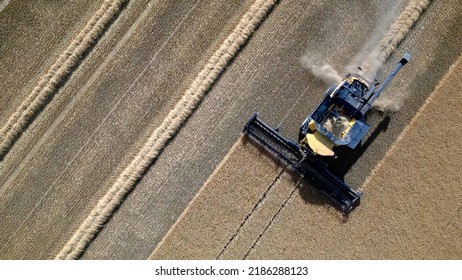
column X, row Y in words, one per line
column 411, row 207
column 136, row 133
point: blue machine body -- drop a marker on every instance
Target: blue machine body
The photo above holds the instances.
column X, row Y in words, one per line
column 341, row 115
column 339, row 120
column 344, row 100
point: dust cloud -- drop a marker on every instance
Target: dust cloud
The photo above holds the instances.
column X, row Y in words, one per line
column 321, row 70
column 391, row 27
column 388, row 44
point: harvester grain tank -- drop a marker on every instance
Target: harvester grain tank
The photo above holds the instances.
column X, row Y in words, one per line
column 335, row 127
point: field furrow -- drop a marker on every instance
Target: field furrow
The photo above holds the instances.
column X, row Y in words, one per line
column 405, row 214
column 412, row 197
column 268, row 77
column 57, row 180
column 119, row 121
column 312, row 230
column 47, row 85
column 175, row 118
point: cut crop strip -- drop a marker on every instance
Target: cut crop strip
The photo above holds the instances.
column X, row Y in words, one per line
column 400, row 137
column 159, row 138
column 57, row 73
column 387, row 45
column 401, row 27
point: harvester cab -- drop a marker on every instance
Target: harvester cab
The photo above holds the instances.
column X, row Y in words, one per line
column 338, row 124
column 339, row 121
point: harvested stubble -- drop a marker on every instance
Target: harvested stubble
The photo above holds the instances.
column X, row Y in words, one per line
column 3, row 4
column 412, row 206
column 387, row 46
column 377, row 237
column 217, row 208
column 401, row 27
column 410, row 212
column 394, row 36
column 64, row 64
column 253, row 80
column 158, row 139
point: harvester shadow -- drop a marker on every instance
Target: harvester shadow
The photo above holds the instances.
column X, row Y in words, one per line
column 309, row 191
column 308, row 188
column 65, row 78
column 309, row 194
column 345, row 164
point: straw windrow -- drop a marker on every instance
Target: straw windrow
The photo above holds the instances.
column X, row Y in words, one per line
column 158, row 139
column 401, row 27
column 57, row 73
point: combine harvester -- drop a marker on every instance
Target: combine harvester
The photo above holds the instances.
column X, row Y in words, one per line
column 328, row 135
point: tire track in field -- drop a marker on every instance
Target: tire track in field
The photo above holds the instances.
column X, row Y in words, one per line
column 77, row 97
column 159, row 138
column 394, row 36
column 397, row 32
column 171, row 244
column 416, row 117
column 62, row 68
column 255, row 207
column 87, row 85
column 273, row 218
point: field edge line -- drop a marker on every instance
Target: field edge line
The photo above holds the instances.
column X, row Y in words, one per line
column 398, row 140
column 102, row 212
column 238, row 143
column 59, row 71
